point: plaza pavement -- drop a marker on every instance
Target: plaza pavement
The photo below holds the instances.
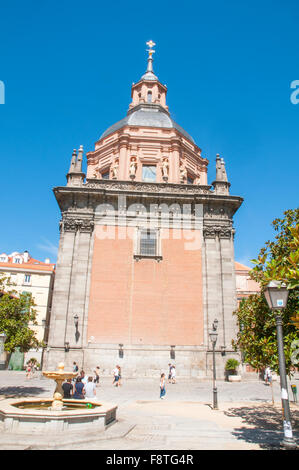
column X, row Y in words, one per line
column 185, row 420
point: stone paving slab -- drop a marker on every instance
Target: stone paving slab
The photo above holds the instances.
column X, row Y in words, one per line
column 246, row 418
column 218, row 430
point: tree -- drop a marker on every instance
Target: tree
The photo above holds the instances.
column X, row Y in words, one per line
column 257, row 332
column 16, row 314
column 278, row 260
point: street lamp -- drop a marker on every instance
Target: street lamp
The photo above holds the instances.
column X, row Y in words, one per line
column 276, row 295
column 76, row 322
column 213, row 337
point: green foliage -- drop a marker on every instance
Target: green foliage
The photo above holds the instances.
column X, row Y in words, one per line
column 231, row 364
column 278, row 260
column 257, row 337
column 16, row 313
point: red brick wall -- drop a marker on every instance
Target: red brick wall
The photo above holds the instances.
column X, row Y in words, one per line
column 145, row 302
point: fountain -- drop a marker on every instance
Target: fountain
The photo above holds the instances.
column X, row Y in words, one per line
column 56, row 414
column 59, row 376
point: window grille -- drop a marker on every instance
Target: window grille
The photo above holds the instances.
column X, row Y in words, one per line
column 148, row 243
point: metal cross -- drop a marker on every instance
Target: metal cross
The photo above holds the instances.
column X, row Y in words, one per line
column 150, row 44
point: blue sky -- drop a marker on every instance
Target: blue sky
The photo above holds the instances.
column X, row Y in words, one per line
column 68, row 67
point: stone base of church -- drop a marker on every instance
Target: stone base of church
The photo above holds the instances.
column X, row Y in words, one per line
column 141, row 361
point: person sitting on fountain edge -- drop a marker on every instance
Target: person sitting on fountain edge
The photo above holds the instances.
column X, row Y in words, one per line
column 67, row 388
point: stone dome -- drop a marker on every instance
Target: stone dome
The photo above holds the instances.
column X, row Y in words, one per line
column 147, row 115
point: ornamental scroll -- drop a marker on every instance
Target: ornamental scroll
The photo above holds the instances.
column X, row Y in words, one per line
column 73, row 225
column 221, row 232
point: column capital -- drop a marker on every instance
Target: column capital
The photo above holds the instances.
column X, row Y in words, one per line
column 71, row 224
column 219, row 231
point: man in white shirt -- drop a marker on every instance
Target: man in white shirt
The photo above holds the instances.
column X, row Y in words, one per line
column 90, row 388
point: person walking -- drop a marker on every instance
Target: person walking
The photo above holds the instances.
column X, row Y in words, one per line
column 119, row 376
column 29, row 370
column 162, row 387
column 115, row 376
column 173, row 375
column 268, row 376
column 96, row 375
column 79, row 389
column 67, row 388
column 90, row 388
column 169, row 373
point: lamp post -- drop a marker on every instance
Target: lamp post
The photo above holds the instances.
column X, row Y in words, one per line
column 276, row 295
column 76, row 323
column 213, row 337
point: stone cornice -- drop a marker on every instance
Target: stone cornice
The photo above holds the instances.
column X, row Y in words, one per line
column 95, row 192
column 141, row 187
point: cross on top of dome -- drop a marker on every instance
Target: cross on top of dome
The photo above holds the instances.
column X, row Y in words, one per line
column 150, row 44
column 149, row 74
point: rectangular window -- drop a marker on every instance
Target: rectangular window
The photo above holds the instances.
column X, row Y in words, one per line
column 149, row 173
column 190, row 180
column 27, row 279
column 105, row 175
column 148, row 243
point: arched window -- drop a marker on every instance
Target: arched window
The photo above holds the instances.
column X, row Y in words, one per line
column 149, row 96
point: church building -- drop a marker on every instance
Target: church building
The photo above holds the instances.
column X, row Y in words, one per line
column 146, row 252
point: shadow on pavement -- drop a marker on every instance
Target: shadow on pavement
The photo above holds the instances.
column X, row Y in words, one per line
column 266, row 425
column 19, row 391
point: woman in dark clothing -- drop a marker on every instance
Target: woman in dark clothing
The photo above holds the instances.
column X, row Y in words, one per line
column 79, row 389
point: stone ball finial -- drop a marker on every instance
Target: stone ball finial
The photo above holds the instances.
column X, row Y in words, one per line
column 57, row 403
column 57, row 396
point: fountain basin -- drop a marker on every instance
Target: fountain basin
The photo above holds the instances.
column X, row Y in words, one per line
column 31, row 415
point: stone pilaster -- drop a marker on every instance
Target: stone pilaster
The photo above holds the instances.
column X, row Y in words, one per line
column 70, row 288
column 219, row 288
column 61, row 288
column 228, row 289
